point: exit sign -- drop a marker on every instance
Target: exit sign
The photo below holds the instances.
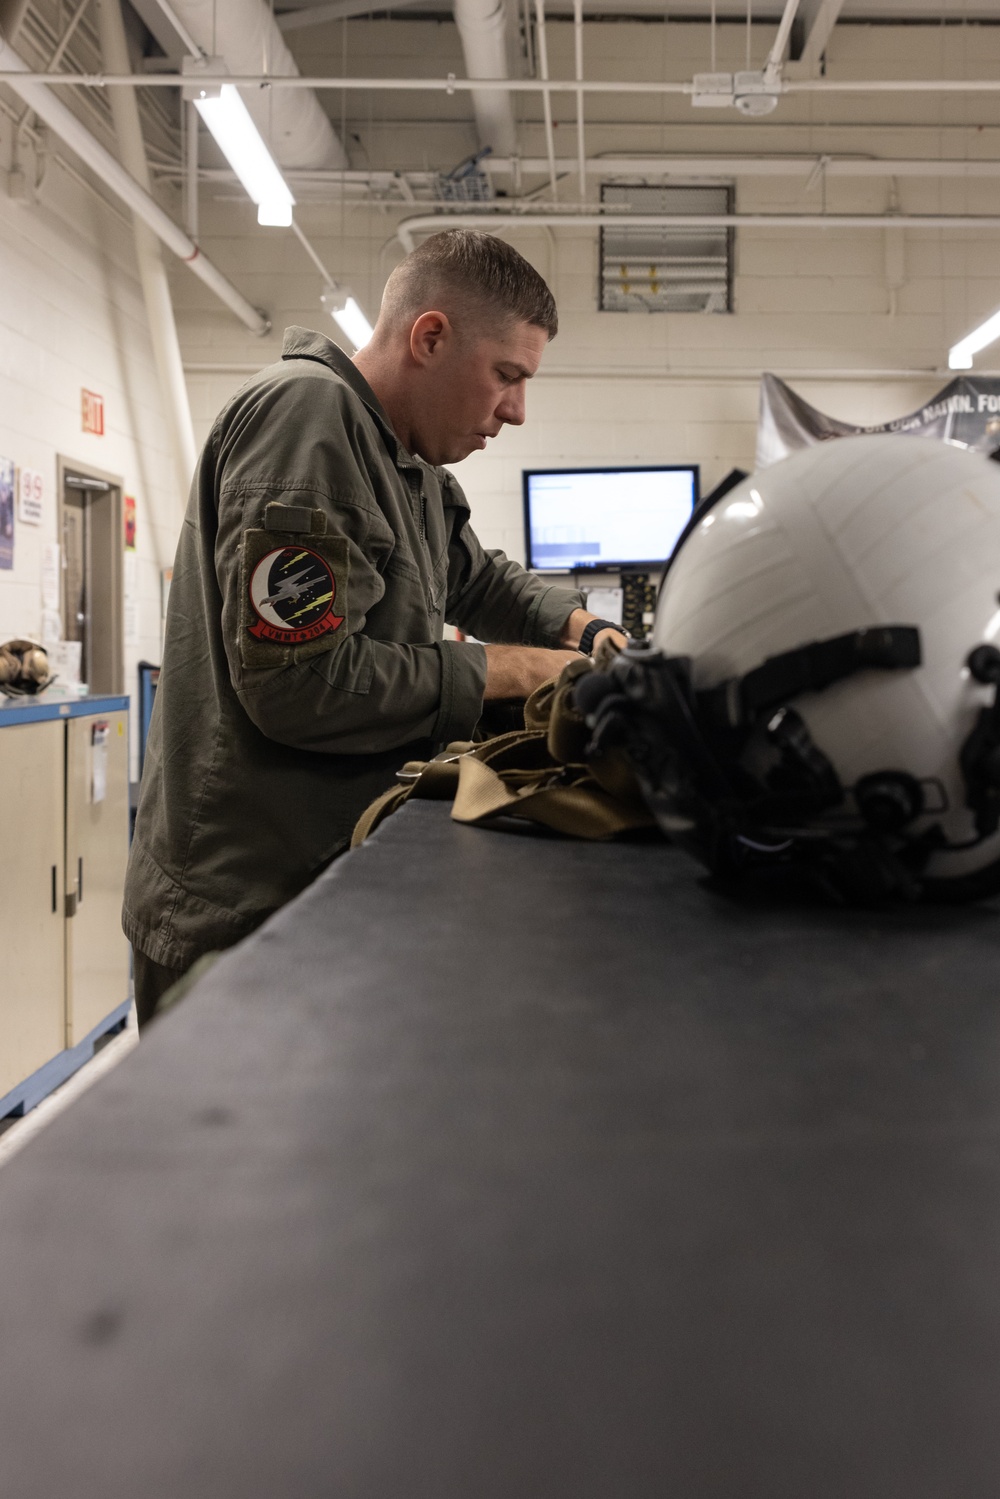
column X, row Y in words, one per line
column 92, row 408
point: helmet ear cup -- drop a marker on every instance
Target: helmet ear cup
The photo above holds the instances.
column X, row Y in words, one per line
column 889, row 799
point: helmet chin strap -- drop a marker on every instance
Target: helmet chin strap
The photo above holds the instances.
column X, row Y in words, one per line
column 733, row 774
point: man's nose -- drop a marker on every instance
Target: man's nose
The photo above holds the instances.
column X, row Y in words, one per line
column 512, row 406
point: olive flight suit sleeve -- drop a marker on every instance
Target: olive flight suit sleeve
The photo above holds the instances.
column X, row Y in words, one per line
column 494, row 598
column 304, row 547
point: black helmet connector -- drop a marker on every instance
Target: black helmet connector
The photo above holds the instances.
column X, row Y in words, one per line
column 733, row 775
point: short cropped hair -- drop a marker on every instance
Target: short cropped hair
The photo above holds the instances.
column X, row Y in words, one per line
column 474, row 278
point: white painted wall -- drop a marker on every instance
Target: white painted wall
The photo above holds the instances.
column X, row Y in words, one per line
column 72, row 317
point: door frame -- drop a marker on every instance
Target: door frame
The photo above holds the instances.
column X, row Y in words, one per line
column 112, row 522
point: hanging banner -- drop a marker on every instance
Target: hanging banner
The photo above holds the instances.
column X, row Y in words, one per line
column 966, row 410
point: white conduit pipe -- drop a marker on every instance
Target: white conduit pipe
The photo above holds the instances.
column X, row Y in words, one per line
column 578, row 51
column 776, row 56
column 453, row 85
column 152, row 271
column 243, row 34
column 754, row 166
column 482, row 27
column 432, row 222
column 76, row 135
column 543, row 64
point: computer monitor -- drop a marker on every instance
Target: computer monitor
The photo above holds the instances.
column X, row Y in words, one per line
column 600, row 519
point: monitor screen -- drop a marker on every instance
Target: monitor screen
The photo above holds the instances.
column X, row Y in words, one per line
column 578, row 518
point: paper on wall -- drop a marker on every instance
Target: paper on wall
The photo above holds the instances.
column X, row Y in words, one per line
column 65, row 660
column 606, row 603
column 132, row 621
column 99, row 761
column 51, row 628
column 51, row 577
column 131, row 599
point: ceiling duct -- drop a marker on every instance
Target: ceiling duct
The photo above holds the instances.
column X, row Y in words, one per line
column 482, row 26
column 243, row 34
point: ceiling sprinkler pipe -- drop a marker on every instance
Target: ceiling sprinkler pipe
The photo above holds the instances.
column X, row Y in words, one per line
column 431, row 223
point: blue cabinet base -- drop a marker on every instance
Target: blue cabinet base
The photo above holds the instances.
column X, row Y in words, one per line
column 23, row 1098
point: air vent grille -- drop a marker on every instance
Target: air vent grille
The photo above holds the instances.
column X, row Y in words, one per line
column 662, row 268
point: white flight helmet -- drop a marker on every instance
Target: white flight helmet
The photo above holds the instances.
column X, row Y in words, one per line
column 820, row 689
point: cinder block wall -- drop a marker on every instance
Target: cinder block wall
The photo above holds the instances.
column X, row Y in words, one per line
column 71, row 318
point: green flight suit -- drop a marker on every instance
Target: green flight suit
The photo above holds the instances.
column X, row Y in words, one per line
column 304, row 659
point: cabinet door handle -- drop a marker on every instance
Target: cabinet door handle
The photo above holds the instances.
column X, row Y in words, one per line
column 55, row 897
column 79, row 880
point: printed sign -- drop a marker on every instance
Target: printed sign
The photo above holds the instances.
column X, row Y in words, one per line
column 92, row 411
column 30, row 496
column 6, row 512
column 966, row 410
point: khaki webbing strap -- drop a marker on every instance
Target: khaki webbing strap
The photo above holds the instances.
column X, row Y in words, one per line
column 378, row 812
column 579, row 808
column 537, row 773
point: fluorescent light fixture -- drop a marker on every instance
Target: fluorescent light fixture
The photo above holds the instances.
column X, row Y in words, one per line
column 960, row 357
column 346, row 313
column 230, row 122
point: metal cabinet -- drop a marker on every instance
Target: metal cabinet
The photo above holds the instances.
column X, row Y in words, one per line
column 64, row 961
column 32, row 956
column 96, row 854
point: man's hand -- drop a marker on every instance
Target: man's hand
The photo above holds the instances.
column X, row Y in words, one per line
column 576, row 624
column 516, row 670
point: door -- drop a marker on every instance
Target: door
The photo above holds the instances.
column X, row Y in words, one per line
column 96, row 853
column 32, row 964
column 91, row 536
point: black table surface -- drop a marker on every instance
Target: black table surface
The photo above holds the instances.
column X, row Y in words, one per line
column 501, row 1165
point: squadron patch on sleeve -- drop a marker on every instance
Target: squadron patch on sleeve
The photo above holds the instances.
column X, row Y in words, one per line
column 294, row 592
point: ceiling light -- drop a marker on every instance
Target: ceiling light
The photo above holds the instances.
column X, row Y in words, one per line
column 960, row 356
column 230, row 122
column 346, row 313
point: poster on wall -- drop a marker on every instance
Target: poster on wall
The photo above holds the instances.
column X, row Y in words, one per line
column 30, row 497
column 966, row 410
column 7, row 482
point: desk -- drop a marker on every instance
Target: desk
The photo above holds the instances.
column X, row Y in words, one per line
column 504, row 1167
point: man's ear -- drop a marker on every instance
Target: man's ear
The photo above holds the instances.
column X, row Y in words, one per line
column 429, row 336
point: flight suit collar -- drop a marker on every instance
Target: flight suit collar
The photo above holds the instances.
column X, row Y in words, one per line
column 304, row 343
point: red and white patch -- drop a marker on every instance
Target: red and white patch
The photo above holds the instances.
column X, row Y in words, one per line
column 293, row 593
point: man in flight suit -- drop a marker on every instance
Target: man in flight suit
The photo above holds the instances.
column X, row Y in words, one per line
column 323, row 549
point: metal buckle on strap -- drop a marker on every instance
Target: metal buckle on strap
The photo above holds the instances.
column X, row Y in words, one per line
column 414, row 775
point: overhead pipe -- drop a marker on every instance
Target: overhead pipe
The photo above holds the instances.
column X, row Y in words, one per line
column 243, row 36
column 454, row 85
column 581, row 152
column 686, row 372
column 648, row 166
column 482, row 28
column 111, row 172
column 568, row 218
column 152, row 271
column 753, row 166
column 543, row 65
column 776, row 56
